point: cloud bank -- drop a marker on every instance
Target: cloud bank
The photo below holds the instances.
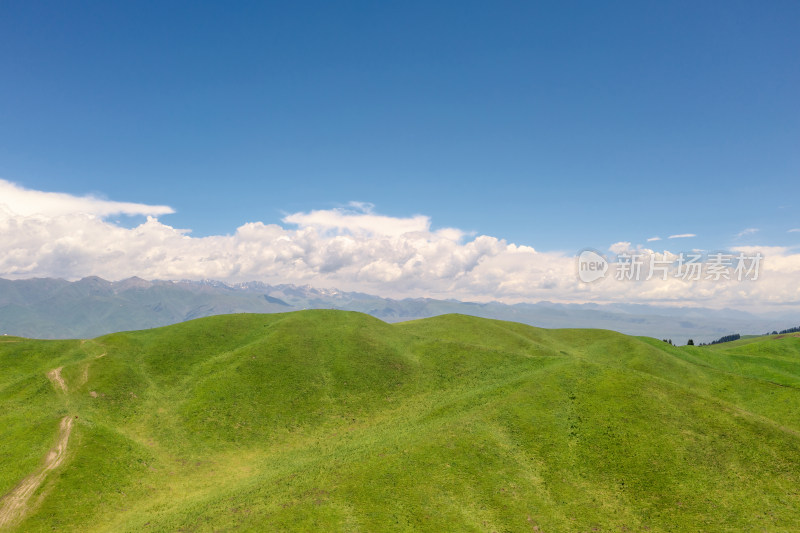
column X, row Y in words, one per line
column 350, row 248
column 27, row 202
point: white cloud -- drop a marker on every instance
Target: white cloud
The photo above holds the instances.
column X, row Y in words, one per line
column 359, row 219
column 26, row 202
column 652, row 239
column 682, row 236
column 795, row 230
column 352, row 248
column 620, row 247
column 747, row 231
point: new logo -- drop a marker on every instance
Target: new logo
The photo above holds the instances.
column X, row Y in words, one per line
column 592, row 265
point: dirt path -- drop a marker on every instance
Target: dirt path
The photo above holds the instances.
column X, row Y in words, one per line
column 15, row 503
column 55, row 376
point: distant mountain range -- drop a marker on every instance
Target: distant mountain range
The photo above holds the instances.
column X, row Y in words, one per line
column 49, row 308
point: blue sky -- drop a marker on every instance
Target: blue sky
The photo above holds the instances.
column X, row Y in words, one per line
column 554, row 125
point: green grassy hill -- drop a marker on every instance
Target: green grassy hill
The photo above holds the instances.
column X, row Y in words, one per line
column 336, row 421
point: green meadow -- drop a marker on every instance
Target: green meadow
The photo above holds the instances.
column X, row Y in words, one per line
column 336, row 421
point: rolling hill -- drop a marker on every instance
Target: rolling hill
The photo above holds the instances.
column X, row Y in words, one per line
column 337, row 421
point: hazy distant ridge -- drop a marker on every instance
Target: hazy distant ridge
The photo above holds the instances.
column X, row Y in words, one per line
column 54, row 308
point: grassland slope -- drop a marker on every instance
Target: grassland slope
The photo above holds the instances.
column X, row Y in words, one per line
column 336, row 421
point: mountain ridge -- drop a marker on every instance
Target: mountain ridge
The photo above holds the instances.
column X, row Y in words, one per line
column 56, row 308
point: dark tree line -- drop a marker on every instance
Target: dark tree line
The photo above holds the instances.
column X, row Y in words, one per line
column 735, row 337
column 727, row 338
column 785, row 331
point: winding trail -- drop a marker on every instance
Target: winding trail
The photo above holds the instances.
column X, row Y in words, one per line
column 15, row 503
column 55, row 376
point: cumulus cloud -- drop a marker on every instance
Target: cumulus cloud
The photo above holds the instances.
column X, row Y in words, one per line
column 408, row 260
column 353, row 248
column 620, row 247
column 27, row 202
